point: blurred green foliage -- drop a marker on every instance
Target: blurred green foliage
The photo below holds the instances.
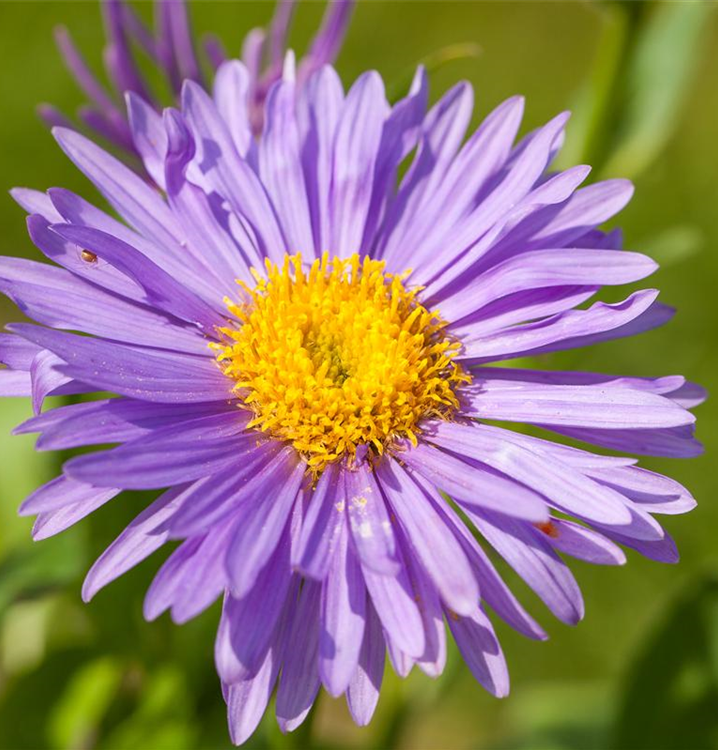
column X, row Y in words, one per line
column 642, row 670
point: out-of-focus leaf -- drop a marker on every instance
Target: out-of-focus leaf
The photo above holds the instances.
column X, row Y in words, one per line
column 41, row 568
column 22, row 469
column 673, row 245
column 628, row 107
column 671, row 692
column 76, row 717
column 657, row 76
column 433, row 63
column 560, row 716
column 589, row 110
column 28, row 700
column 163, row 718
column 24, row 635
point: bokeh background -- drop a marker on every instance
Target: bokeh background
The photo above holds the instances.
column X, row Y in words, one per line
column 642, row 670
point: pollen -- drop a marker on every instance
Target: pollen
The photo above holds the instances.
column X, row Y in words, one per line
column 338, row 355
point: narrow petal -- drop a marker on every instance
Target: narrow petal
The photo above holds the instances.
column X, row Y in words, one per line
column 430, row 540
column 59, row 493
column 482, row 653
column 51, row 522
column 321, row 525
column 248, row 480
column 163, row 291
column 343, row 607
column 394, row 600
column 155, row 376
column 57, row 298
column 168, row 455
column 565, row 487
column 252, row 618
column 356, row 146
column 148, row 135
column 128, row 194
column 572, row 329
column 542, row 269
column 532, row 557
column 582, row 406
column 494, row 591
column 262, row 525
column 227, row 173
column 231, row 95
column 582, row 543
column 364, row 687
column 137, row 542
column 476, row 484
column 369, row 522
column 280, row 166
column 299, row 684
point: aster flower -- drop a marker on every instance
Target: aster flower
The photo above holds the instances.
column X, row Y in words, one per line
column 172, row 50
column 308, row 424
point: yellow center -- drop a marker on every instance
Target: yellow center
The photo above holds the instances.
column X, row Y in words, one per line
column 339, row 356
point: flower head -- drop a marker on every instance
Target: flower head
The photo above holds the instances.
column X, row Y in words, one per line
column 309, row 423
column 172, row 48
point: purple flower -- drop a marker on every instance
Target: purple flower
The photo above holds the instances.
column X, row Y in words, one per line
column 172, row 49
column 308, row 424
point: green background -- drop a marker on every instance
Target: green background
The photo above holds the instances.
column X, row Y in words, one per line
column 642, row 670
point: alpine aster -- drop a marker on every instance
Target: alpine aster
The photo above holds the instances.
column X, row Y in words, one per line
column 309, row 423
column 172, row 49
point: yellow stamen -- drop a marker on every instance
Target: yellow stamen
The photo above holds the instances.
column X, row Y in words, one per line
column 338, row 356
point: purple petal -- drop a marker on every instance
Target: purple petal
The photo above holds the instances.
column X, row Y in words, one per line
column 56, row 298
column 59, row 493
column 494, row 591
column 227, row 173
column 262, row 524
column 565, row 487
column 481, row 651
column 231, row 95
column 542, row 269
column 174, row 257
column 582, row 543
column 299, row 684
column 169, row 455
column 161, row 288
column 343, row 605
column 14, row 383
column 430, row 540
column 51, row 522
column 356, row 146
column 371, row 529
column 476, row 484
column 247, row 700
column 35, row 202
column 251, row 619
column 137, row 542
column 128, row 194
column 364, row 687
column 148, row 135
column 322, row 525
column 443, row 130
column 116, row 420
column 583, row 406
column 150, row 376
column 570, row 330
column 17, row 353
column 532, row 557
column 393, row 598
column 280, row 166
column 248, row 480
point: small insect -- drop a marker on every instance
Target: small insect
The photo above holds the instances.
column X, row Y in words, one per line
column 88, row 256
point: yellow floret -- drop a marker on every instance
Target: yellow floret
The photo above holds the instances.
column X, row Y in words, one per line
column 338, row 356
